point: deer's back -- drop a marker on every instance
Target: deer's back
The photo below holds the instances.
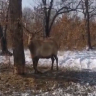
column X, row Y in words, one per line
column 43, row 48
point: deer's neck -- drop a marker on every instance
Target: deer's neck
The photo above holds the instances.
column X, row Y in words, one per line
column 29, row 39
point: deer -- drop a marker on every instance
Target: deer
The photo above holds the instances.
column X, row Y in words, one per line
column 42, row 48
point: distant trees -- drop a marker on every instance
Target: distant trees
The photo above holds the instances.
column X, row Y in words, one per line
column 3, row 27
column 52, row 9
column 17, row 35
column 88, row 8
column 48, row 13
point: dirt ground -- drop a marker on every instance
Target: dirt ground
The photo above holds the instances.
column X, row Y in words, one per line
column 36, row 83
column 47, row 81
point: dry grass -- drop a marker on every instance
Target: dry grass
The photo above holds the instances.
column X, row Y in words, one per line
column 47, row 81
column 39, row 83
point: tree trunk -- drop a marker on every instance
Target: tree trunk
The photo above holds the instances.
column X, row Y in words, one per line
column 17, row 35
column 47, row 13
column 88, row 25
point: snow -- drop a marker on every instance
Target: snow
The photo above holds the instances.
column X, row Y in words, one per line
column 70, row 59
column 78, row 60
column 74, row 60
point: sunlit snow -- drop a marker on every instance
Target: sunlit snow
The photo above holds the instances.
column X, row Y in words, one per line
column 67, row 59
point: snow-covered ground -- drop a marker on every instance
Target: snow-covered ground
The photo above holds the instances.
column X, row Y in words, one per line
column 67, row 59
column 70, row 59
column 76, row 60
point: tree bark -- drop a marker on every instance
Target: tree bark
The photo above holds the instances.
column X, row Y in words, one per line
column 88, row 25
column 17, row 36
column 47, row 15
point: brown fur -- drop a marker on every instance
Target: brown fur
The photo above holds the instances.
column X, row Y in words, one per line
column 43, row 48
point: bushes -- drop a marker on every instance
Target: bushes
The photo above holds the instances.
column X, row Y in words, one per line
column 68, row 32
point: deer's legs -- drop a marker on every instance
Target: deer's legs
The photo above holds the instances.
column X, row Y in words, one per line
column 35, row 62
column 52, row 58
column 56, row 61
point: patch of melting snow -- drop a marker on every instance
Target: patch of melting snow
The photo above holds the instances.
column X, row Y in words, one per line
column 76, row 59
column 79, row 60
column 74, row 89
column 25, row 94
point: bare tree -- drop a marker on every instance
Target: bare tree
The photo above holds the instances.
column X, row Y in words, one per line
column 64, row 6
column 88, row 8
column 17, row 35
column 3, row 28
column 88, row 24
